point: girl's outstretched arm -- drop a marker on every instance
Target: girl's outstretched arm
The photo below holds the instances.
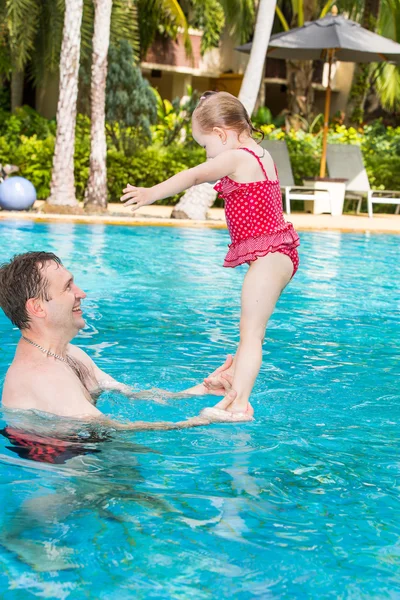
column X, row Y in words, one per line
column 222, row 165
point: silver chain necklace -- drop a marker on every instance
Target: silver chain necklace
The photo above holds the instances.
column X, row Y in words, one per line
column 48, row 352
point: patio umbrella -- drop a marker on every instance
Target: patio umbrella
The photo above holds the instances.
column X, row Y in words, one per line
column 329, row 38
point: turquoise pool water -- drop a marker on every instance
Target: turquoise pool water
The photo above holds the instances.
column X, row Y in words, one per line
column 301, row 503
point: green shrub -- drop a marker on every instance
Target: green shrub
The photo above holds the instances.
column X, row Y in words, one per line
column 25, row 121
column 174, row 119
column 149, row 167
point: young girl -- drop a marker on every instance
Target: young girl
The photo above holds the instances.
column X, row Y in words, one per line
column 248, row 182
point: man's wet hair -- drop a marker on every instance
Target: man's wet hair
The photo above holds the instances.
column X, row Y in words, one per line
column 22, row 278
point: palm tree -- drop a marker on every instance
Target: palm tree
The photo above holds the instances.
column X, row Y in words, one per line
column 62, row 187
column 96, row 191
column 255, row 67
column 32, row 32
column 122, row 22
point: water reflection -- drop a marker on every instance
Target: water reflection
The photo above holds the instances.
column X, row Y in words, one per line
column 91, row 473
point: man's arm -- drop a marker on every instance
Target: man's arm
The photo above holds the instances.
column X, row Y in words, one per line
column 106, row 382
column 155, row 426
column 55, row 395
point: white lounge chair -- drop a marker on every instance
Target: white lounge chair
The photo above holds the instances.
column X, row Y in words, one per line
column 280, row 154
column 346, row 161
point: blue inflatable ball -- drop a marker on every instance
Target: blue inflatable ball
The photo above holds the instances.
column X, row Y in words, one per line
column 17, row 193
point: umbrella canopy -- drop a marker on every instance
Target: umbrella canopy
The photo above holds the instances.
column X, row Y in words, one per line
column 351, row 42
column 333, row 37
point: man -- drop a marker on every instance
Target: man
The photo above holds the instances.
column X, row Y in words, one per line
column 48, row 373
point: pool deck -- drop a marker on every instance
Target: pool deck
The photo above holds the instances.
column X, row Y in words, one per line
column 160, row 215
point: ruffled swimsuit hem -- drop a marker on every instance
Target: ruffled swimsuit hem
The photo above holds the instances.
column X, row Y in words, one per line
column 250, row 249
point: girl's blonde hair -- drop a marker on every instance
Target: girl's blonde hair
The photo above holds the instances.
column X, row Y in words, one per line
column 221, row 109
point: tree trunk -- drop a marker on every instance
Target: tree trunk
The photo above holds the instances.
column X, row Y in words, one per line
column 195, row 202
column 62, row 187
column 255, row 67
column 299, row 88
column 360, row 86
column 96, row 190
column 17, row 89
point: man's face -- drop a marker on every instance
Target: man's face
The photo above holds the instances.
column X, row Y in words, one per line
column 63, row 304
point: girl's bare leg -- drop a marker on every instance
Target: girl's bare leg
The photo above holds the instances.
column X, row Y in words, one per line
column 262, row 286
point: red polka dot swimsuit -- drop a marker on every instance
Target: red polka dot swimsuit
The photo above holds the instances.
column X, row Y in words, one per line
column 255, row 220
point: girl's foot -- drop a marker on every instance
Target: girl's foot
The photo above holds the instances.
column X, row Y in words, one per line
column 216, row 415
column 230, row 405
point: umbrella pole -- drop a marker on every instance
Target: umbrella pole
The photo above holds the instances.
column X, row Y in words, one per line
column 322, row 170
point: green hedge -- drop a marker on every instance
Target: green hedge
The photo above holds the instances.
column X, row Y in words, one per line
column 27, row 140
column 151, row 166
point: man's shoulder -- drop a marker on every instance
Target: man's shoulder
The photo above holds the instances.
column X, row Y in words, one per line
column 79, row 354
column 20, row 384
column 53, row 390
column 26, row 380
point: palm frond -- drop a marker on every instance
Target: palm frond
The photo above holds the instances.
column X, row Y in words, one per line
column 282, row 18
column 208, row 15
column 388, row 87
column 389, row 19
column 387, row 82
column 46, row 55
column 22, row 18
column 124, row 24
column 326, row 8
column 352, row 9
column 176, row 14
column 165, row 17
column 240, row 18
column 87, row 29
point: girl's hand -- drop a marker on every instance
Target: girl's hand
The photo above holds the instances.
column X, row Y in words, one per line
column 136, row 196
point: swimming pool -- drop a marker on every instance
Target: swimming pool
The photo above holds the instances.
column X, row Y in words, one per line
column 301, row 503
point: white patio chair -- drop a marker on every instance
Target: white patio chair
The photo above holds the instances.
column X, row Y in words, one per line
column 280, row 154
column 346, row 161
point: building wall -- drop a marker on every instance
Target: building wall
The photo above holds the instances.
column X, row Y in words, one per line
column 170, row 71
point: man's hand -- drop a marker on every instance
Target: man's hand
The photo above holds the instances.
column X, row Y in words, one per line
column 136, row 196
column 218, row 388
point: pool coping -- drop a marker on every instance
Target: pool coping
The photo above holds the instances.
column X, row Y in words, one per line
column 152, row 216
